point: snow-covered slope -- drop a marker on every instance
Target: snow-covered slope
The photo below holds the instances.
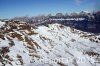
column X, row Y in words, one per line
column 55, row 45
column 1, row 24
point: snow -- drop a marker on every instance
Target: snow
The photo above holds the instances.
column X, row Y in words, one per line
column 54, row 43
column 76, row 47
column 1, row 24
column 4, row 43
column 73, row 49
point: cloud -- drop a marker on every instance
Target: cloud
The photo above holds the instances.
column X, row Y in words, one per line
column 78, row 2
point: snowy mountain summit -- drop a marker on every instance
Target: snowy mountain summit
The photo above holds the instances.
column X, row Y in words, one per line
column 52, row 45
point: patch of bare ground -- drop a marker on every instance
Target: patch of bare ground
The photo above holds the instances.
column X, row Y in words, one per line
column 61, row 26
column 95, row 39
column 16, row 35
column 11, row 43
column 31, row 32
column 7, row 30
column 31, row 43
column 61, row 64
column 73, row 40
column 2, row 36
column 32, row 46
column 20, row 60
column 91, row 53
column 13, row 26
column 91, row 36
column 45, row 38
column 24, row 27
column 4, row 57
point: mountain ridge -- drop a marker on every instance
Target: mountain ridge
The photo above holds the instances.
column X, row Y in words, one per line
column 24, row 45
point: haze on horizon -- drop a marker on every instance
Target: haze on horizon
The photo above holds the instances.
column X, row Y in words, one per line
column 13, row 8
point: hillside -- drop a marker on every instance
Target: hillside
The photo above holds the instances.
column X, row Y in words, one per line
column 52, row 45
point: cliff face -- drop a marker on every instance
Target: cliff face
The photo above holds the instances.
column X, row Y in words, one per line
column 52, row 45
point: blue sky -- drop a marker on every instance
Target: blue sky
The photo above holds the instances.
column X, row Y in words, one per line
column 13, row 8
